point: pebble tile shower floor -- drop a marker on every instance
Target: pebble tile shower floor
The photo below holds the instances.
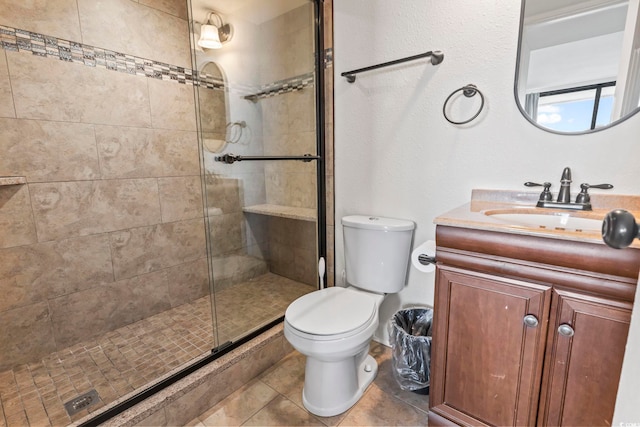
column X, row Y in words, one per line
column 131, row 357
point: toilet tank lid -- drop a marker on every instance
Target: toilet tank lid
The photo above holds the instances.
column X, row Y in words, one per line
column 377, row 223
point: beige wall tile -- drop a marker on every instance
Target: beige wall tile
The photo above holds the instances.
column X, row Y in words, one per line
column 272, row 50
column 224, row 193
column 135, row 29
column 33, row 273
column 291, row 189
column 300, row 18
column 227, row 233
column 6, row 96
column 328, row 149
column 180, row 198
column 145, row 249
column 67, row 209
column 300, row 55
column 304, row 142
column 257, row 236
column 330, row 207
column 328, row 23
column 30, row 333
column 275, row 117
column 127, row 152
column 188, row 282
column 331, row 263
column 301, row 106
column 178, row 151
column 58, row 18
column 293, row 249
column 48, row 151
column 328, row 93
column 80, row 93
column 90, row 313
column 172, row 105
column 174, row 7
column 17, row 226
column 213, row 111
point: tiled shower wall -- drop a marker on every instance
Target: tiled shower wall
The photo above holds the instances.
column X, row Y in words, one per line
column 109, row 228
column 289, row 118
column 289, row 128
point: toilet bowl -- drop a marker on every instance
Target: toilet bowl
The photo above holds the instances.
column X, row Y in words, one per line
column 333, row 327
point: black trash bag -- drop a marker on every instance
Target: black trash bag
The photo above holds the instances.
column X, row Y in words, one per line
column 410, row 336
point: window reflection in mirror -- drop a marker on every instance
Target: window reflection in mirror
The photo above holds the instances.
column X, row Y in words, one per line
column 578, row 66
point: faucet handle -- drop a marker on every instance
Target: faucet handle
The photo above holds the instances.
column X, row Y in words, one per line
column 584, row 197
column 546, row 194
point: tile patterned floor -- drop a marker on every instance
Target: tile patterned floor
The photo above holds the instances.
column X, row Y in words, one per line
column 131, row 357
column 275, row 399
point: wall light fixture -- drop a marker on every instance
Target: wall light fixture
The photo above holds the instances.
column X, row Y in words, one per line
column 212, row 36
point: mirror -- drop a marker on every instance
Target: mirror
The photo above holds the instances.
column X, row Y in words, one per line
column 578, row 66
column 212, row 108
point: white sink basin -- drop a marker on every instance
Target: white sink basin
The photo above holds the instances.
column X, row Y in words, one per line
column 555, row 221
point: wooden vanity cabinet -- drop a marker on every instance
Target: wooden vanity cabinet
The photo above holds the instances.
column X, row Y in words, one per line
column 582, row 371
column 528, row 330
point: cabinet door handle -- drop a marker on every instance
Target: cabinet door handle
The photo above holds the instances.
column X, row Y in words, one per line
column 565, row 330
column 530, row 320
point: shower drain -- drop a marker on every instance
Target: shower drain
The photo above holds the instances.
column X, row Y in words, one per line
column 82, row 402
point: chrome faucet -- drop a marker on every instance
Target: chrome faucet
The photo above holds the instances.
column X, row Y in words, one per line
column 583, row 201
column 564, row 196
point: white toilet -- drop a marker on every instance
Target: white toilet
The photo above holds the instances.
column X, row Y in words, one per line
column 332, row 327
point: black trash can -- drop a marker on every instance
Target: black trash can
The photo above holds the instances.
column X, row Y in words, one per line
column 410, row 336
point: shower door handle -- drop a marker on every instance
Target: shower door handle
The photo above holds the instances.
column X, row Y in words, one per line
column 232, row 158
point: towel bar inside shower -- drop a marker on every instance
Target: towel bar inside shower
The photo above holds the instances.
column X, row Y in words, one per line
column 232, row 158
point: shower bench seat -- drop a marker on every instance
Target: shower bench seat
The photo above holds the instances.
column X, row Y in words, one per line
column 291, row 212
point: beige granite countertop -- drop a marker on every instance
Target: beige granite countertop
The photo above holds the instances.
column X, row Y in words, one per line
column 12, row 180
column 476, row 214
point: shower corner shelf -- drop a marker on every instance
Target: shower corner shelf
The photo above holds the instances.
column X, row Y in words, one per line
column 12, row 180
column 291, row 212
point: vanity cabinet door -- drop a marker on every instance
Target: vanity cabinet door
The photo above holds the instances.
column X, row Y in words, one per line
column 586, row 344
column 486, row 362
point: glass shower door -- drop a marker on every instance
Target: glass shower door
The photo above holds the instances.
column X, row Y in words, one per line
column 260, row 135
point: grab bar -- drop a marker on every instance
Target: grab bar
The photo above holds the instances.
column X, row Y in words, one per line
column 232, row 158
column 436, row 58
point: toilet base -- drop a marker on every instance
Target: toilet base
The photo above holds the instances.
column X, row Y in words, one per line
column 336, row 392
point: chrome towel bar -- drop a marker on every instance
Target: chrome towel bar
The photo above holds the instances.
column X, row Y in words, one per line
column 436, row 58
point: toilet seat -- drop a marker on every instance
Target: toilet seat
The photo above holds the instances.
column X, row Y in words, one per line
column 331, row 313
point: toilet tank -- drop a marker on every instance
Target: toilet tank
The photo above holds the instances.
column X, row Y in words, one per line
column 377, row 252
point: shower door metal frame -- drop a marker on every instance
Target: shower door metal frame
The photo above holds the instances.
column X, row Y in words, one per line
column 321, row 187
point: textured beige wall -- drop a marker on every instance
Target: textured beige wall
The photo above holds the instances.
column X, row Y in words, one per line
column 109, row 228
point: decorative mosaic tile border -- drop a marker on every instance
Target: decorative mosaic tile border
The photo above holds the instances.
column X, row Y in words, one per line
column 328, row 58
column 51, row 47
column 283, row 86
column 17, row 40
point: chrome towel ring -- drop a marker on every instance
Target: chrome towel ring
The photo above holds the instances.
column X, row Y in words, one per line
column 468, row 91
column 234, row 131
